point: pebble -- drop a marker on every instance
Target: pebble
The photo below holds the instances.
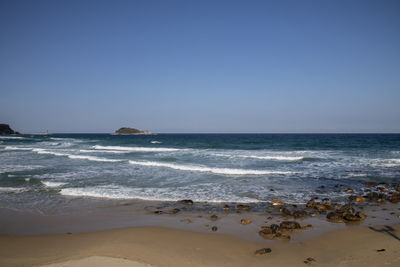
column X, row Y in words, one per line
column 262, row 251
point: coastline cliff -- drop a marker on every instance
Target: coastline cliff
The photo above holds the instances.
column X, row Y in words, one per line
column 5, row 129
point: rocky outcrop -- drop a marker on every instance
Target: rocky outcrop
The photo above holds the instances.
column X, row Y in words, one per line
column 5, row 129
column 126, row 130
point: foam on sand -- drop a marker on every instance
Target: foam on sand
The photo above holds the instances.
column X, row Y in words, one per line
column 192, row 168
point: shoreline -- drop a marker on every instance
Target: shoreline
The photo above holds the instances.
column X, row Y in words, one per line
column 157, row 246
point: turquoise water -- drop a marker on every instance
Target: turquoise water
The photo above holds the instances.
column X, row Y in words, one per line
column 40, row 170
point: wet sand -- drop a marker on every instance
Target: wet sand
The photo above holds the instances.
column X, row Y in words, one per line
column 366, row 232
column 356, row 246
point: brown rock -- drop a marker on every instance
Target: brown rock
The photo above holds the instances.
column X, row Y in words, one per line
column 186, row 201
column 262, row 251
column 214, row 228
column 394, row 198
column 277, row 202
column 283, row 237
column 213, row 217
column 320, row 207
column 310, row 203
column 242, row 207
column 289, row 225
column 334, row 217
column 245, row 222
column 370, row 184
column 174, row 211
column 299, row 214
column 266, row 234
column 285, row 211
column 227, row 208
column 328, row 205
column 360, row 199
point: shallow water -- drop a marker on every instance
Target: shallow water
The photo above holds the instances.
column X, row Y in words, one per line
column 47, row 172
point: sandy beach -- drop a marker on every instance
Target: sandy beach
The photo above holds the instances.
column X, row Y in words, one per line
column 155, row 246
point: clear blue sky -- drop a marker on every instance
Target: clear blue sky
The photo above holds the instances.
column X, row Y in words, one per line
column 200, row 66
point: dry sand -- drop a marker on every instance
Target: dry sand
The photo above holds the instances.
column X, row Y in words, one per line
column 156, row 246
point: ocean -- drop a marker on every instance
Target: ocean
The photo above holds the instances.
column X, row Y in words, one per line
column 48, row 171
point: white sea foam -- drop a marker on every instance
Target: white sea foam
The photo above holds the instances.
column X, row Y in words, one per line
column 12, row 137
column 43, row 151
column 358, row 174
column 11, row 189
column 103, row 151
column 386, row 163
column 91, row 158
column 53, row 184
column 283, row 158
column 17, row 148
column 16, row 168
column 71, row 156
column 210, row 194
column 27, row 179
column 137, row 149
column 155, row 142
column 192, row 168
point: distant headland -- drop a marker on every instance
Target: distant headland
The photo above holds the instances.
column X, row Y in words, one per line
column 5, row 129
column 127, row 130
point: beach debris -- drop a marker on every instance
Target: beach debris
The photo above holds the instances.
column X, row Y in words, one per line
column 227, row 208
column 158, row 212
column 186, row 201
column 262, row 251
column 348, row 190
column 188, row 221
column 277, row 202
column 245, row 221
column 381, row 250
column 242, row 207
column 213, row 217
column 214, row 228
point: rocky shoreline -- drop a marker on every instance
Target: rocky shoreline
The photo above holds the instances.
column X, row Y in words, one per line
column 282, row 219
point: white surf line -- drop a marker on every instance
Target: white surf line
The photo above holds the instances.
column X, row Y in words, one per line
column 137, row 149
column 207, row 169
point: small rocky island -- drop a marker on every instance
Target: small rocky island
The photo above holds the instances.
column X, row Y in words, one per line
column 130, row 131
column 5, row 129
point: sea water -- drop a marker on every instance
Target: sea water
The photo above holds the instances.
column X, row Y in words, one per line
column 49, row 170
